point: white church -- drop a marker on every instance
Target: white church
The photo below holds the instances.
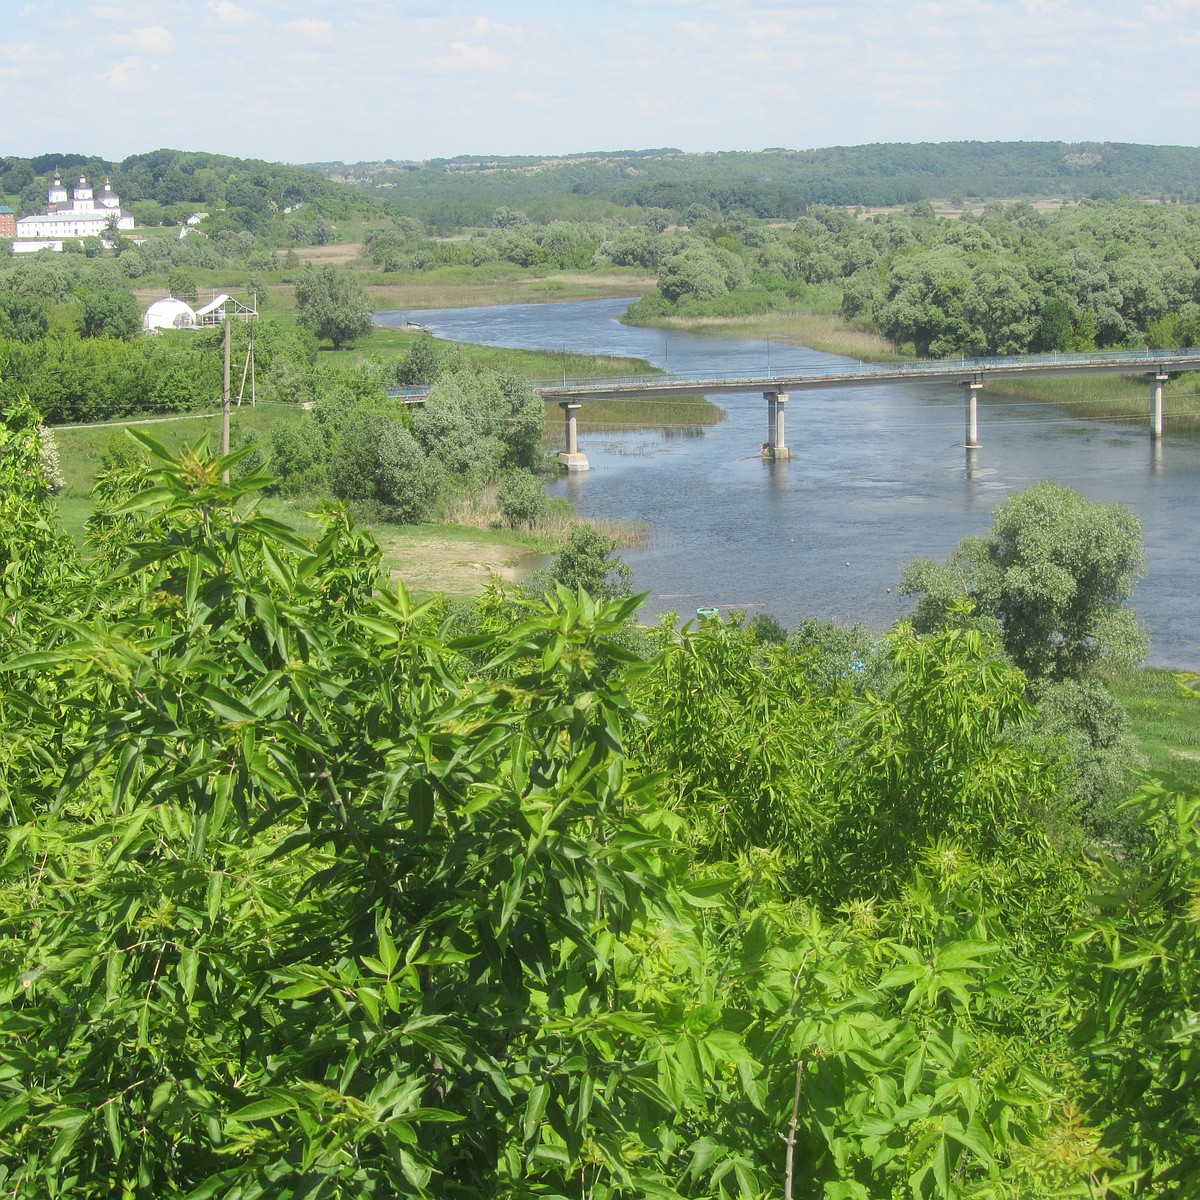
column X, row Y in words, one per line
column 82, row 215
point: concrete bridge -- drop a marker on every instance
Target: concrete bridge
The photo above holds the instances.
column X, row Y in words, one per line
column 1157, row 366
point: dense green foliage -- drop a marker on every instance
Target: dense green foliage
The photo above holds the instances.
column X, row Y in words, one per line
column 1008, row 280
column 344, row 437
column 331, row 305
column 586, row 564
column 1054, row 573
column 84, row 361
column 167, row 186
column 307, row 892
column 778, row 183
column 357, row 445
column 521, row 498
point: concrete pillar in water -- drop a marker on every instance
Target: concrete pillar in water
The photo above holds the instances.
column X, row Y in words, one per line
column 973, row 413
column 571, row 457
column 1156, row 405
column 776, row 447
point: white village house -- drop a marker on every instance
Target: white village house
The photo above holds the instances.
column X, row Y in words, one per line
column 82, row 215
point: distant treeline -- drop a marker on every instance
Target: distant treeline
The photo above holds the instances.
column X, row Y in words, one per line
column 280, row 204
column 779, row 184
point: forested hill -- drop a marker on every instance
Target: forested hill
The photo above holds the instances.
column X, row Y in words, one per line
column 449, row 194
column 166, row 186
column 778, row 183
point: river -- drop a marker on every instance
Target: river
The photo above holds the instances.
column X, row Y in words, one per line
column 879, row 477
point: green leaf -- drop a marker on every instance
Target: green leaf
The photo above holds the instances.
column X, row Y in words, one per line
column 846, row 1191
column 974, row 1137
column 261, row 1110
column 65, row 1118
column 535, row 1106
column 708, row 893
column 112, row 1125
column 188, row 967
column 226, row 706
column 942, row 1168
column 160, row 1096
column 914, row 1071
column 302, row 989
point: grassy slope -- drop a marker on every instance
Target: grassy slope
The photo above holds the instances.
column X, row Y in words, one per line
column 452, row 556
column 1165, row 721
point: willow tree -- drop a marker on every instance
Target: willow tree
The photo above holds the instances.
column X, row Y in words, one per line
column 1054, row 572
column 332, row 305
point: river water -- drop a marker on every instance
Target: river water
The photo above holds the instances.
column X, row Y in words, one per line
column 879, row 477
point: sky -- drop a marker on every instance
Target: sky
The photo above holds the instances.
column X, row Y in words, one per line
column 363, row 80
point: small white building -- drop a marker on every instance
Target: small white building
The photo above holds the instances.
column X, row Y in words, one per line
column 168, row 313
column 83, row 215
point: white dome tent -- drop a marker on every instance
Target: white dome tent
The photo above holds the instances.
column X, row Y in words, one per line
column 168, row 313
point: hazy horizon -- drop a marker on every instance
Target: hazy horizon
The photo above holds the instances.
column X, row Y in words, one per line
column 310, row 81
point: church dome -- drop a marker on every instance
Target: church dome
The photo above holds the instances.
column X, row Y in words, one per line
column 168, row 313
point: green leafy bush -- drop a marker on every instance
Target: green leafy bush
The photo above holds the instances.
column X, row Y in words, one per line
column 522, row 499
column 312, row 890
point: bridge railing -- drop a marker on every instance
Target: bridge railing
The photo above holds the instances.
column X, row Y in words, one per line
column 952, row 367
column 924, row 367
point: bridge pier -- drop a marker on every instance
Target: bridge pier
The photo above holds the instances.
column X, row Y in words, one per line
column 1156, row 405
column 776, row 447
column 973, row 389
column 572, row 458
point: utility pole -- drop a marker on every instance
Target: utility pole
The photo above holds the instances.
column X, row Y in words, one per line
column 225, row 400
column 250, row 350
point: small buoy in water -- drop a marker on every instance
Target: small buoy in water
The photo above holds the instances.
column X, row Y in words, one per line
column 889, row 591
column 847, row 564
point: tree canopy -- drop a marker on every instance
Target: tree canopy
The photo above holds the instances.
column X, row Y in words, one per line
column 1054, row 573
column 332, row 305
column 310, row 889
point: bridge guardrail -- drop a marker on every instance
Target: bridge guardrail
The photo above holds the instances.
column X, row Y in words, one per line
column 952, row 367
column 925, row 367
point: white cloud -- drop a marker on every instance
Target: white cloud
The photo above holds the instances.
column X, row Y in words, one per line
column 228, row 13
column 20, row 51
column 708, row 31
column 412, row 78
column 129, row 75
column 150, row 39
column 463, row 57
column 310, row 27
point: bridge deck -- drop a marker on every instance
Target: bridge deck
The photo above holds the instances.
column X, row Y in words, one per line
column 857, row 374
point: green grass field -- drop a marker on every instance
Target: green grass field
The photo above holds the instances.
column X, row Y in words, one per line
column 1166, row 722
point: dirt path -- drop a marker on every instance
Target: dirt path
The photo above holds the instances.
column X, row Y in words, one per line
column 459, row 566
